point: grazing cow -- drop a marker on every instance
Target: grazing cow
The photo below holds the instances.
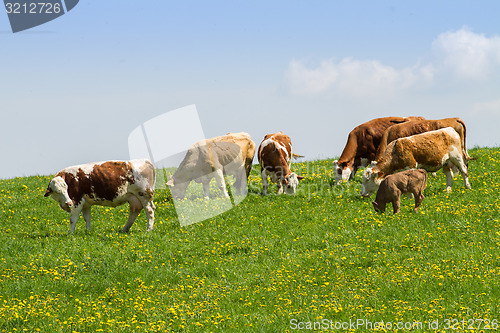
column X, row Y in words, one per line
column 230, row 154
column 110, row 183
column 391, row 188
column 362, row 144
column 421, row 126
column 430, row 151
column 275, row 157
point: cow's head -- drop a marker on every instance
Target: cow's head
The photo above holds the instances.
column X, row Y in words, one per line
column 379, row 208
column 58, row 190
column 371, row 181
column 177, row 188
column 291, row 182
column 342, row 171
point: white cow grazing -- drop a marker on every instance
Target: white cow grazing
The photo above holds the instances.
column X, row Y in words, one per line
column 230, row 154
column 430, row 151
column 110, row 183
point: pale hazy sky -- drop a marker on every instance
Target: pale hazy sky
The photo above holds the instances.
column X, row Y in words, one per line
column 72, row 90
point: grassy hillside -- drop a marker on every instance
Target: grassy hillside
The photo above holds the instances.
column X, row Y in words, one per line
column 271, row 264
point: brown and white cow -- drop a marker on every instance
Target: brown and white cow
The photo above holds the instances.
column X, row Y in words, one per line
column 421, row 126
column 362, row 144
column 430, row 151
column 110, row 183
column 275, row 158
column 230, row 154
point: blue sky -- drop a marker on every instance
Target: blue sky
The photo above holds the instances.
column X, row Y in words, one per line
column 73, row 89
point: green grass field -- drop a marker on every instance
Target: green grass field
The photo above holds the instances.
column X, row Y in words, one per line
column 272, row 264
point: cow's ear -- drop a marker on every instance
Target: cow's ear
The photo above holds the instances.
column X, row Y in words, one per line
column 171, row 181
column 48, row 192
column 300, row 177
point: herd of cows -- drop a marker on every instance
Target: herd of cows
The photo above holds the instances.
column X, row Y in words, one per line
column 401, row 151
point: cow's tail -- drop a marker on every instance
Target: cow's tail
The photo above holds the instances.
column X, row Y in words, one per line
column 467, row 157
column 382, row 145
column 424, row 186
column 151, row 165
column 154, row 176
column 249, row 157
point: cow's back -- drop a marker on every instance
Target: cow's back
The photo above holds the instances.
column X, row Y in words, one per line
column 418, row 127
column 421, row 126
column 231, row 147
column 208, row 155
column 107, row 182
column 247, row 148
column 273, row 144
column 275, row 152
column 427, row 149
column 281, row 139
column 144, row 174
column 364, row 139
column 459, row 126
column 245, row 143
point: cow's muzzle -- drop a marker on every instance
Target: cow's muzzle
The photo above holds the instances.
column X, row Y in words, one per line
column 67, row 206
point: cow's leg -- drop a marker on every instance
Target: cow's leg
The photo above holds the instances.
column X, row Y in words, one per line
column 382, row 206
column 353, row 172
column 75, row 214
column 240, row 183
column 131, row 219
column 458, row 161
column 86, row 216
column 279, row 184
column 454, row 169
column 237, row 185
column 465, row 174
column 449, row 178
column 150, row 208
column 265, row 183
column 221, row 183
column 135, row 206
column 396, row 202
column 206, row 188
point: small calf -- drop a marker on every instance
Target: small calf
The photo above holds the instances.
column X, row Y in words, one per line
column 391, row 188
